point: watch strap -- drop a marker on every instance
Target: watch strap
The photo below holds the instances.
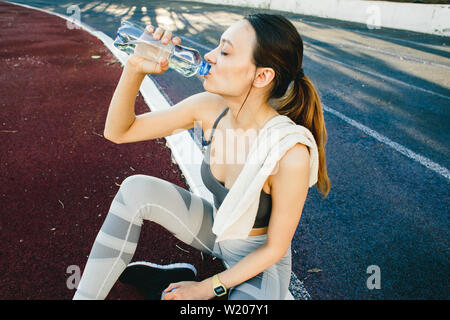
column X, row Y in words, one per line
column 218, row 287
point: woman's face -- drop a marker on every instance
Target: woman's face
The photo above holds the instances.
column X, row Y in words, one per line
column 232, row 70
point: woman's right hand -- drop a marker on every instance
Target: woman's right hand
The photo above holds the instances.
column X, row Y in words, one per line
column 145, row 66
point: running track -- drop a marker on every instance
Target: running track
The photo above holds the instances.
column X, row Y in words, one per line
column 386, row 100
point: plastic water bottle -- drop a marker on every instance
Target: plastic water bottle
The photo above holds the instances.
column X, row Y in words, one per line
column 132, row 38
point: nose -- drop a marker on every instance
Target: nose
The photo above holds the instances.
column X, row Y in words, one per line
column 210, row 57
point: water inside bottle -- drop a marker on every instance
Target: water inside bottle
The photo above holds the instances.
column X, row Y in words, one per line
column 150, row 49
column 185, row 60
column 150, row 52
column 182, row 60
column 183, row 66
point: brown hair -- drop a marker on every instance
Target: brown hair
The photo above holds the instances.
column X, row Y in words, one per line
column 279, row 46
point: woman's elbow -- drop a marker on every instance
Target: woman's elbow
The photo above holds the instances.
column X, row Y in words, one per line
column 111, row 138
column 277, row 251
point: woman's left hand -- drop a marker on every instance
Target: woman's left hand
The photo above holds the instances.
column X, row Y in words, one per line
column 189, row 290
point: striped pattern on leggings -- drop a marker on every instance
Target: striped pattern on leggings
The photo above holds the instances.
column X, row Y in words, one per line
column 189, row 218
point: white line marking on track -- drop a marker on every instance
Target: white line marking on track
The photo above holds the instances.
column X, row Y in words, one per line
column 396, row 146
column 298, row 289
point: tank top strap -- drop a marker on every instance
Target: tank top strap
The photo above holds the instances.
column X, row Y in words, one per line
column 215, row 124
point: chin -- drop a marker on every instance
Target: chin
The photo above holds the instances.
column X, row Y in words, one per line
column 207, row 86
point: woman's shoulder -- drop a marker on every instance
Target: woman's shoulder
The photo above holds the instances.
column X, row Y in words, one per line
column 211, row 106
column 294, row 163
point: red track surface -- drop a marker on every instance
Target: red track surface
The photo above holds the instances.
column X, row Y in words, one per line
column 58, row 173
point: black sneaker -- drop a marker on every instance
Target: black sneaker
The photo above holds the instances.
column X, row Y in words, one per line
column 151, row 279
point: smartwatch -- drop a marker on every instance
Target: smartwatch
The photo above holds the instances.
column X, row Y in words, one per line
column 218, row 287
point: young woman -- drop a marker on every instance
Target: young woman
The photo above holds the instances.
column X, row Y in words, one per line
column 259, row 59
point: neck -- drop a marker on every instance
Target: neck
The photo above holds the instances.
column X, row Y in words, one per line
column 254, row 113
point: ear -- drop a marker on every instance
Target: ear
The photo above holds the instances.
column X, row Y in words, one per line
column 263, row 77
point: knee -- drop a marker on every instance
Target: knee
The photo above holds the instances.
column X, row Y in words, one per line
column 134, row 192
column 137, row 188
column 133, row 178
column 136, row 181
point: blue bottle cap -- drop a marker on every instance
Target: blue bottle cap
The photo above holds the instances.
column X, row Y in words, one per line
column 204, row 68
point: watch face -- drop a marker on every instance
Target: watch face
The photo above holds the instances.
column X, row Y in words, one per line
column 219, row 290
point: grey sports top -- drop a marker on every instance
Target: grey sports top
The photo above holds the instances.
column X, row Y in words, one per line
column 219, row 190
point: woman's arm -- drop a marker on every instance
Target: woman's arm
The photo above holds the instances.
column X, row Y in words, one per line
column 289, row 188
column 288, row 197
column 121, row 109
column 121, row 115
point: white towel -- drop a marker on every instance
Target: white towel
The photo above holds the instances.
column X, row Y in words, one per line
column 236, row 215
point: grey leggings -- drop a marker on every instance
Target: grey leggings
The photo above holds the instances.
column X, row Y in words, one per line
column 189, row 218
